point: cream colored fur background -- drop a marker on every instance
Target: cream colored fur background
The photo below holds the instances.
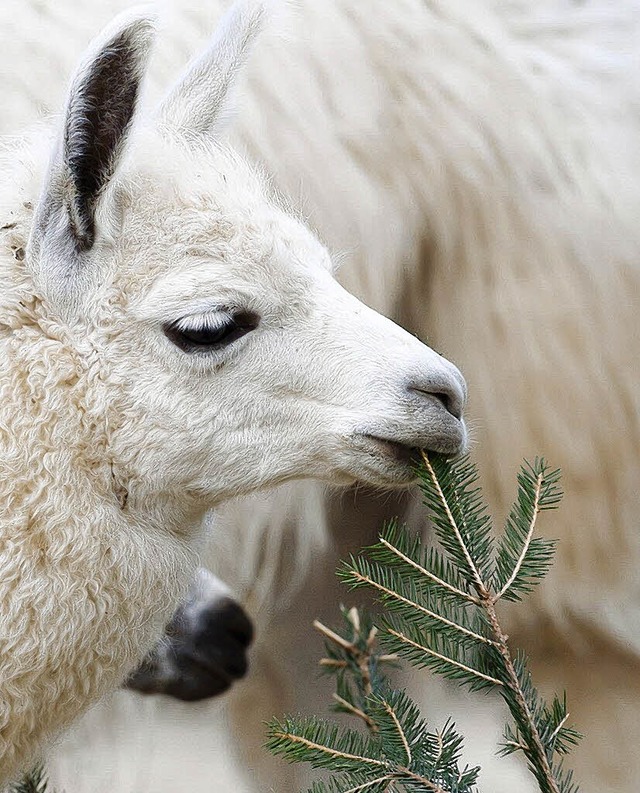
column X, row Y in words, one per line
column 477, row 163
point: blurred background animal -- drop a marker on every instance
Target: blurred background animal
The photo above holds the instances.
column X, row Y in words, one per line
column 476, row 165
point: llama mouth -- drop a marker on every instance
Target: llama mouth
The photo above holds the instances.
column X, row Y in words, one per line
column 399, row 452
column 410, row 455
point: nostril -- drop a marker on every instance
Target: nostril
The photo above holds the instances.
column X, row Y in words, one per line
column 448, row 403
column 450, row 395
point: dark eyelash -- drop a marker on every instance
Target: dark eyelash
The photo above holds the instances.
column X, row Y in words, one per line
column 211, row 337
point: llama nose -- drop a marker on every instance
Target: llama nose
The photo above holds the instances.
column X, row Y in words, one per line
column 448, row 389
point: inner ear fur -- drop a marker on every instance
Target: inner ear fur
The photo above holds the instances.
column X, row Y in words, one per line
column 97, row 119
column 99, row 112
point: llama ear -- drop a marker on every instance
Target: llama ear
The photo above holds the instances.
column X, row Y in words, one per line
column 97, row 117
column 199, row 101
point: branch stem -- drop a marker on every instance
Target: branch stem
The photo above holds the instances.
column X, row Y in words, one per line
column 429, row 574
column 477, row 578
column 535, row 748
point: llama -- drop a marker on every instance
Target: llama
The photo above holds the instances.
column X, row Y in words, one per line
column 477, row 162
column 171, row 337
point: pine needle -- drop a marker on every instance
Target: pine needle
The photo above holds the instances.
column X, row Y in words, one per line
column 33, row 782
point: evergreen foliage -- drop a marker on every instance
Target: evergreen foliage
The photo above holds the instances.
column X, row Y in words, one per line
column 398, row 748
column 439, row 612
column 34, row 782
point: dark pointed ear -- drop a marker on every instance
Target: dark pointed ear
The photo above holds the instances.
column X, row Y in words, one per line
column 99, row 111
column 198, row 102
column 97, row 119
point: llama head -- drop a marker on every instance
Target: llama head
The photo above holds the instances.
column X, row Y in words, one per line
column 232, row 357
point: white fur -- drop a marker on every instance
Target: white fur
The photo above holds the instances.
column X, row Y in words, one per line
column 114, row 440
column 478, row 163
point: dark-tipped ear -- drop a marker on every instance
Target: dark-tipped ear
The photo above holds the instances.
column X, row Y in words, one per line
column 99, row 111
column 100, row 107
column 198, row 101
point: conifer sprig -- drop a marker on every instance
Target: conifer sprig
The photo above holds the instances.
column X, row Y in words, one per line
column 440, row 611
column 33, row 782
column 399, row 753
column 523, row 560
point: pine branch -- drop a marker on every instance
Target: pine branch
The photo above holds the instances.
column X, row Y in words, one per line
column 353, row 660
column 526, row 544
column 462, row 537
column 440, row 611
column 446, row 665
column 324, row 746
column 429, row 629
column 387, row 586
column 460, row 517
column 380, row 784
column 33, row 782
column 522, row 560
column 399, row 752
column 428, row 573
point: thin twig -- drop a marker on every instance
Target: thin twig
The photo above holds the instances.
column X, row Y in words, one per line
column 398, row 727
column 429, row 651
column 357, row 712
column 554, row 734
column 516, row 745
column 527, row 542
column 287, row 736
column 348, row 646
column 429, row 574
column 371, row 783
column 432, row 786
column 333, row 663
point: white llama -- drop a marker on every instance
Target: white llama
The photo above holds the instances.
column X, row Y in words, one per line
column 477, row 163
column 170, row 337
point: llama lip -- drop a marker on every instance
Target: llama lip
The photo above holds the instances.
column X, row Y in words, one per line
column 408, row 455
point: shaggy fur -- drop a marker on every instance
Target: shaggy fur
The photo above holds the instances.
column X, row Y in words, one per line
column 478, row 163
column 84, row 589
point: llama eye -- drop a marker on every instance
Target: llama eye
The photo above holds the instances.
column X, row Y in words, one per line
column 215, row 335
